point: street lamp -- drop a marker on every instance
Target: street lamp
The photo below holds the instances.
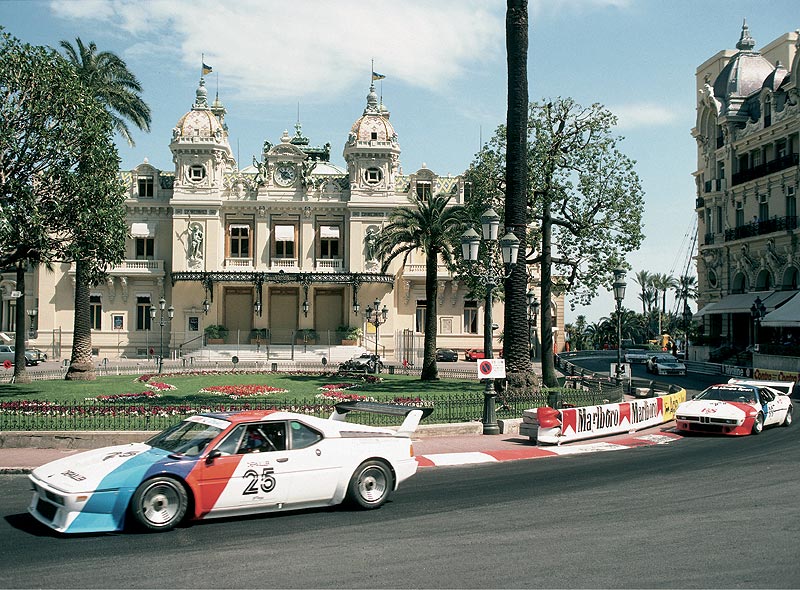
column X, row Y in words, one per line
column 162, row 322
column 619, row 294
column 32, row 315
column 376, row 317
column 687, row 321
column 492, row 275
column 533, row 320
column 757, row 311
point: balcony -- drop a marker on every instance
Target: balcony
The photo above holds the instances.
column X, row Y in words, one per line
column 329, row 265
column 760, row 228
column 418, row 270
column 699, row 203
column 136, row 268
column 284, row 264
column 239, row 263
column 775, row 165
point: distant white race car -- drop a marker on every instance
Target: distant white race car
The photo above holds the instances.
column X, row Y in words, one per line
column 638, row 357
column 664, row 363
column 227, row 464
column 734, row 409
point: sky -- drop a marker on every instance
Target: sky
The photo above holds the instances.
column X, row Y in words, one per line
column 445, row 78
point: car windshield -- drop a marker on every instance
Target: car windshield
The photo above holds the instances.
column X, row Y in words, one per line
column 187, row 438
column 728, row 394
column 666, row 358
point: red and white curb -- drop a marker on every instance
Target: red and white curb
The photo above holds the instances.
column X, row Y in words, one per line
column 477, row 457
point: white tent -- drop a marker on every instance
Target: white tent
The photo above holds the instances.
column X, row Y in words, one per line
column 787, row 315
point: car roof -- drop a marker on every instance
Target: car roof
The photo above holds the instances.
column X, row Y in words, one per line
column 777, row 385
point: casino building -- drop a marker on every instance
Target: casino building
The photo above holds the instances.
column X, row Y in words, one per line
column 277, row 253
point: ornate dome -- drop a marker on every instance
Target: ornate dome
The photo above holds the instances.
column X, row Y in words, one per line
column 201, row 120
column 374, row 124
column 776, row 77
column 745, row 73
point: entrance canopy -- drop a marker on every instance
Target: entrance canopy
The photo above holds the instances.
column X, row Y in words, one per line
column 742, row 302
column 788, row 315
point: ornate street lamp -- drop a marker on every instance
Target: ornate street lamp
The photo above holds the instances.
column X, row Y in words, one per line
column 491, row 276
column 533, row 323
column 619, row 294
column 32, row 326
column 377, row 317
column 162, row 305
column 757, row 312
column 687, row 322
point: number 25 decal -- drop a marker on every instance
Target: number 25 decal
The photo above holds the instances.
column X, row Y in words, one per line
column 267, row 481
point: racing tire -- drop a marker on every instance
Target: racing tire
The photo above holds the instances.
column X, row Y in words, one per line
column 787, row 420
column 159, row 504
column 758, row 423
column 370, row 485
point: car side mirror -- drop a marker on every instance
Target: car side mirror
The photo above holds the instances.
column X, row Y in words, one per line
column 213, row 455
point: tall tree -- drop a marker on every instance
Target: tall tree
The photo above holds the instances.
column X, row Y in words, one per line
column 515, row 348
column 584, row 201
column 117, row 91
column 431, row 227
column 662, row 283
column 46, row 119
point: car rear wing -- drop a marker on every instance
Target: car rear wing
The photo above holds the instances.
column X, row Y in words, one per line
column 413, row 414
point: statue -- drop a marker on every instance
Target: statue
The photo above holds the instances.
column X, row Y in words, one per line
column 371, row 244
column 196, row 241
column 261, row 176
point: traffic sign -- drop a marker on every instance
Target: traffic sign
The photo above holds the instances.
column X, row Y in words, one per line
column 7, row 364
column 492, row 369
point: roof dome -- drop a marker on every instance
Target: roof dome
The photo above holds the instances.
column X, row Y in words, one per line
column 776, row 77
column 745, row 73
column 201, row 120
column 374, row 124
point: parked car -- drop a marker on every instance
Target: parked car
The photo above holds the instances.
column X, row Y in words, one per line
column 473, row 354
column 734, row 409
column 665, row 364
column 36, row 354
column 7, row 354
column 226, row 464
column 365, row 362
column 446, row 355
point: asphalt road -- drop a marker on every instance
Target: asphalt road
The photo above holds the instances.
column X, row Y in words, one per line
column 699, row 512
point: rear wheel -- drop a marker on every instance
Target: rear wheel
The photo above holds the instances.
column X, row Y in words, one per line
column 758, row 423
column 787, row 421
column 159, row 504
column 370, row 485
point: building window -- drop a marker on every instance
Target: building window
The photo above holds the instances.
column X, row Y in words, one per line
column 197, row 172
column 374, row 136
column 768, row 112
column 373, row 176
column 470, row 317
column 739, row 214
column 143, row 312
column 145, row 248
column 719, row 218
column 284, row 241
column 239, row 240
column 12, row 315
column 419, row 316
column 146, row 186
column 791, row 202
column 423, row 190
column 763, row 208
column 96, row 312
column 329, row 241
column 755, row 158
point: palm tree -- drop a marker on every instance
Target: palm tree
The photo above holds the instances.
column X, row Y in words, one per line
column 662, row 283
column 429, row 226
column 644, row 279
column 119, row 93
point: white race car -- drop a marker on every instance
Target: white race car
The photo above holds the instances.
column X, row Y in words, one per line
column 784, row 387
column 227, row 464
column 640, row 356
column 664, row 363
column 734, row 409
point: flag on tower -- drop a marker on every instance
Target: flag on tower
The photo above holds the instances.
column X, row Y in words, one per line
column 377, row 76
column 207, row 69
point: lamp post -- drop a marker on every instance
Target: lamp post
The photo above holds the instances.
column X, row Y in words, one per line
column 687, row 321
column 619, row 294
column 757, row 312
column 533, row 321
column 162, row 304
column 376, row 317
column 492, row 275
column 31, row 328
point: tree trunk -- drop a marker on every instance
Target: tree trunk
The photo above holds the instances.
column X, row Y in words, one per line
column 516, row 339
column 20, row 372
column 81, row 367
column 548, row 365
column 430, row 371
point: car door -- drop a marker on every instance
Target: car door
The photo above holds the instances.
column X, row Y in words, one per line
column 244, row 472
column 772, row 413
column 313, row 464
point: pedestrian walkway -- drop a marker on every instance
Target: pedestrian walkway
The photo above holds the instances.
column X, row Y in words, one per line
column 433, row 451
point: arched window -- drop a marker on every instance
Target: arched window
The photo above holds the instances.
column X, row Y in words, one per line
column 763, row 281
column 740, row 284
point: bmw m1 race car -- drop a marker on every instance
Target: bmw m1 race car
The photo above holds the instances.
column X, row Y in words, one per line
column 228, row 464
column 665, row 364
column 734, row 409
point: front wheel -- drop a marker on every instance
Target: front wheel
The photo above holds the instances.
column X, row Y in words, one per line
column 787, row 421
column 758, row 423
column 370, row 485
column 159, row 504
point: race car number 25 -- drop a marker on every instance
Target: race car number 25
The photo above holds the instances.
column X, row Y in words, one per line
column 265, row 482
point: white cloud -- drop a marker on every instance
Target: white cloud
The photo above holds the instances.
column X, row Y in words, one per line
column 274, row 50
column 638, row 115
column 541, row 8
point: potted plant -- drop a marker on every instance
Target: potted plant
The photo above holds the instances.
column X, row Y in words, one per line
column 306, row 336
column 258, row 336
column 350, row 335
column 215, row 334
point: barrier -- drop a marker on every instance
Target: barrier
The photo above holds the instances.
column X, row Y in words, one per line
column 571, row 424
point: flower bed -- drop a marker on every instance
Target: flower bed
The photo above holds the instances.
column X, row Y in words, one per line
column 240, row 391
column 124, row 396
column 338, row 396
column 338, row 386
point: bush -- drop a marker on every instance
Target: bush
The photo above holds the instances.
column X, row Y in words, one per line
column 215, row 331
column 350, row 332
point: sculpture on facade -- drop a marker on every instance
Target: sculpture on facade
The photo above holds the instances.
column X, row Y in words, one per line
column 196, row 241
